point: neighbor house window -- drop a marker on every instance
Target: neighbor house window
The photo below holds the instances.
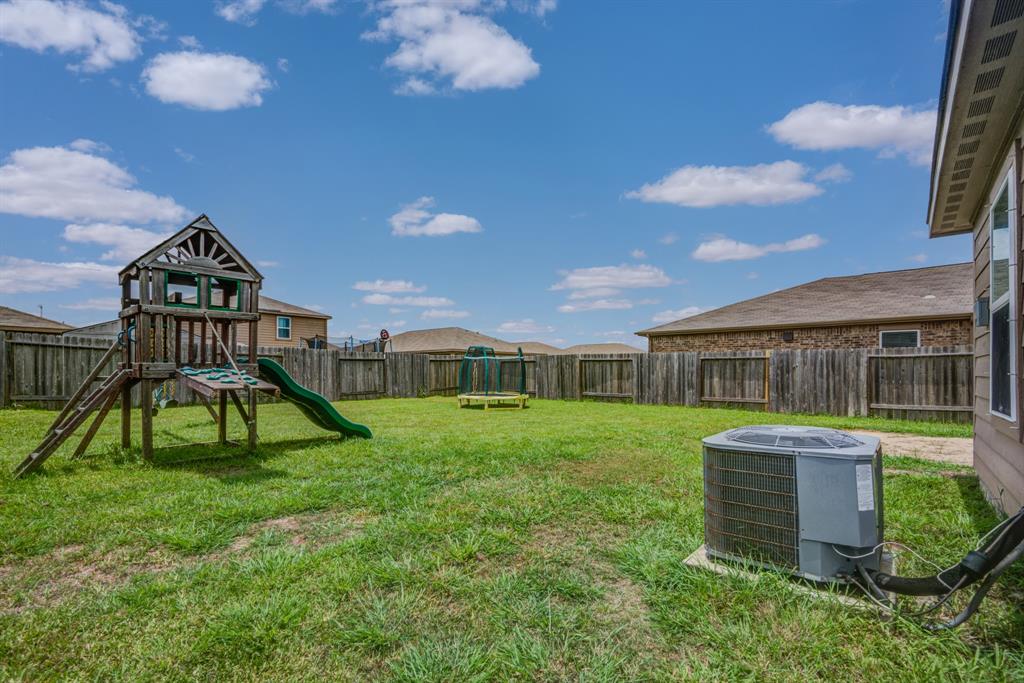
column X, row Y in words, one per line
column 284, row 327
column 895, row 339
column 224, row 293
column 1003, row 276
column 181, row 289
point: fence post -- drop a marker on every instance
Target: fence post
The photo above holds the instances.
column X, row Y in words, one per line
column 4, row 386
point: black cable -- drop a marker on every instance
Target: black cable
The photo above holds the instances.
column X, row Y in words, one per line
column 986, row 586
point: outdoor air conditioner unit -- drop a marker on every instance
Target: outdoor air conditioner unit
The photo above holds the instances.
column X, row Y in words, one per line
column 795, row 499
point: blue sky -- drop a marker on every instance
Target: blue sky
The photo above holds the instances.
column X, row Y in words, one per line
column 563, row 171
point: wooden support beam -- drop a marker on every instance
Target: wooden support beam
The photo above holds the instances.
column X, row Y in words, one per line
column 147, row 418
column 95, row 426
column 126, row 415
column 238, row 404
column 222, row 421
column 252, row 419
column 209, row 407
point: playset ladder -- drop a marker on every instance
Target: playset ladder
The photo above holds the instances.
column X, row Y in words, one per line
column 74, row 414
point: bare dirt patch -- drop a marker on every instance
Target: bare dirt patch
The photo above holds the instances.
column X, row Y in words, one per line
column 956, row 450
column 66, row 571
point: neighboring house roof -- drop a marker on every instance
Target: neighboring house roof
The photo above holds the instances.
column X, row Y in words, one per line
column 609, row 347
column 268, row 305
column 456, row 340
column 979, row 104
column 107, row 328
column 13, row 320
column 916, row 294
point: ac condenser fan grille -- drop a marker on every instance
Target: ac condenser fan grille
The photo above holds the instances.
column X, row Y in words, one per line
column 750, row 506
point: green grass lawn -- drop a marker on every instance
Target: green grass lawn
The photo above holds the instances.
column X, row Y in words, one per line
column 544, row 544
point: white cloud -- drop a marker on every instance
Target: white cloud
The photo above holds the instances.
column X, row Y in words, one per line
column 187, row 157
column 436, row 313
column 597, row 305
column 18, row 275
column 283, row 64
column 678, row 314
column 613, row 277
column 102, row 38
column 594, row 293
column 918, row 258
column 127, row 243
column 610, row 333
column 753, row 275
column 836, row 173
column 706, row 186
column 524, row 326
column 414, row 221
column 415, row 86
column 189, row 42
column 56, row 182
column 206, row 81
column 726, row 249
column 446, row 43
column 267, row 264
column 638, row 254
column 388, row 286
column 668, row 238
column 89, row 146
column 241, row 11
column 112, row 304
column 389, row 325
column 542, row 7
column 829, row 126
column 419, row 301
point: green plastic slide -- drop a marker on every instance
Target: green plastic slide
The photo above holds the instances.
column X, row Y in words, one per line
column 314, row 406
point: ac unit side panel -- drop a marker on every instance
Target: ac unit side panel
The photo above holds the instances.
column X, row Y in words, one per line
column 838, row 501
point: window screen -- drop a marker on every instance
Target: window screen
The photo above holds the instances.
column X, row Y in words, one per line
column 1001, row 368
column 284, row 327
column 900, row 339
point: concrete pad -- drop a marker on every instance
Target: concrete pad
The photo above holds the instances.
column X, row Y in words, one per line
column 699, row 559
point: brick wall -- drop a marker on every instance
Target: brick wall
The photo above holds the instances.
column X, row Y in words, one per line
column 933, row 333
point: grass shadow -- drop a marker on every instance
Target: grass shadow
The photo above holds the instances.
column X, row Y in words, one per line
column 977, row 507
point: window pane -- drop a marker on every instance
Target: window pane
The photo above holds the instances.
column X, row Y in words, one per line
column 1001, row 245
column 1001, row 350
column 284, row 328
column 892, row 340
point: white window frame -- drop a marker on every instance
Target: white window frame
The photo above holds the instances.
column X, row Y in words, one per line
column 277, row 331
column 1008, row 181
column 917, row 344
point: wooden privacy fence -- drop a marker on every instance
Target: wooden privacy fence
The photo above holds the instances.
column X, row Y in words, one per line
column 930, row 384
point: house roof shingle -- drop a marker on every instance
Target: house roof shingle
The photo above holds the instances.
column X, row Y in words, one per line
column 268, row 305
column 13, row 320
column 915, row 294
column 455, row 340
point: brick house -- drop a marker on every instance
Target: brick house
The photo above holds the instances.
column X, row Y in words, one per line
column 916, row 307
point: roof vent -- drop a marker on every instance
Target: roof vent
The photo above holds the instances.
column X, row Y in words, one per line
column 989, row 80
column 998, row 47
column 1007, row 10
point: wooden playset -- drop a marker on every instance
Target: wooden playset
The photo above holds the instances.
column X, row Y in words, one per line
column 182, row 305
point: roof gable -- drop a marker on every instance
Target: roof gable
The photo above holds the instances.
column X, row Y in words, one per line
column 198, row 244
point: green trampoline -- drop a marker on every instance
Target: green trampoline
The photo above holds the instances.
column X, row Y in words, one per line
column 486, row 379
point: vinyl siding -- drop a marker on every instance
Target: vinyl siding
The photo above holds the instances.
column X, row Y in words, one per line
column 302, row 328
column 998, row 443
